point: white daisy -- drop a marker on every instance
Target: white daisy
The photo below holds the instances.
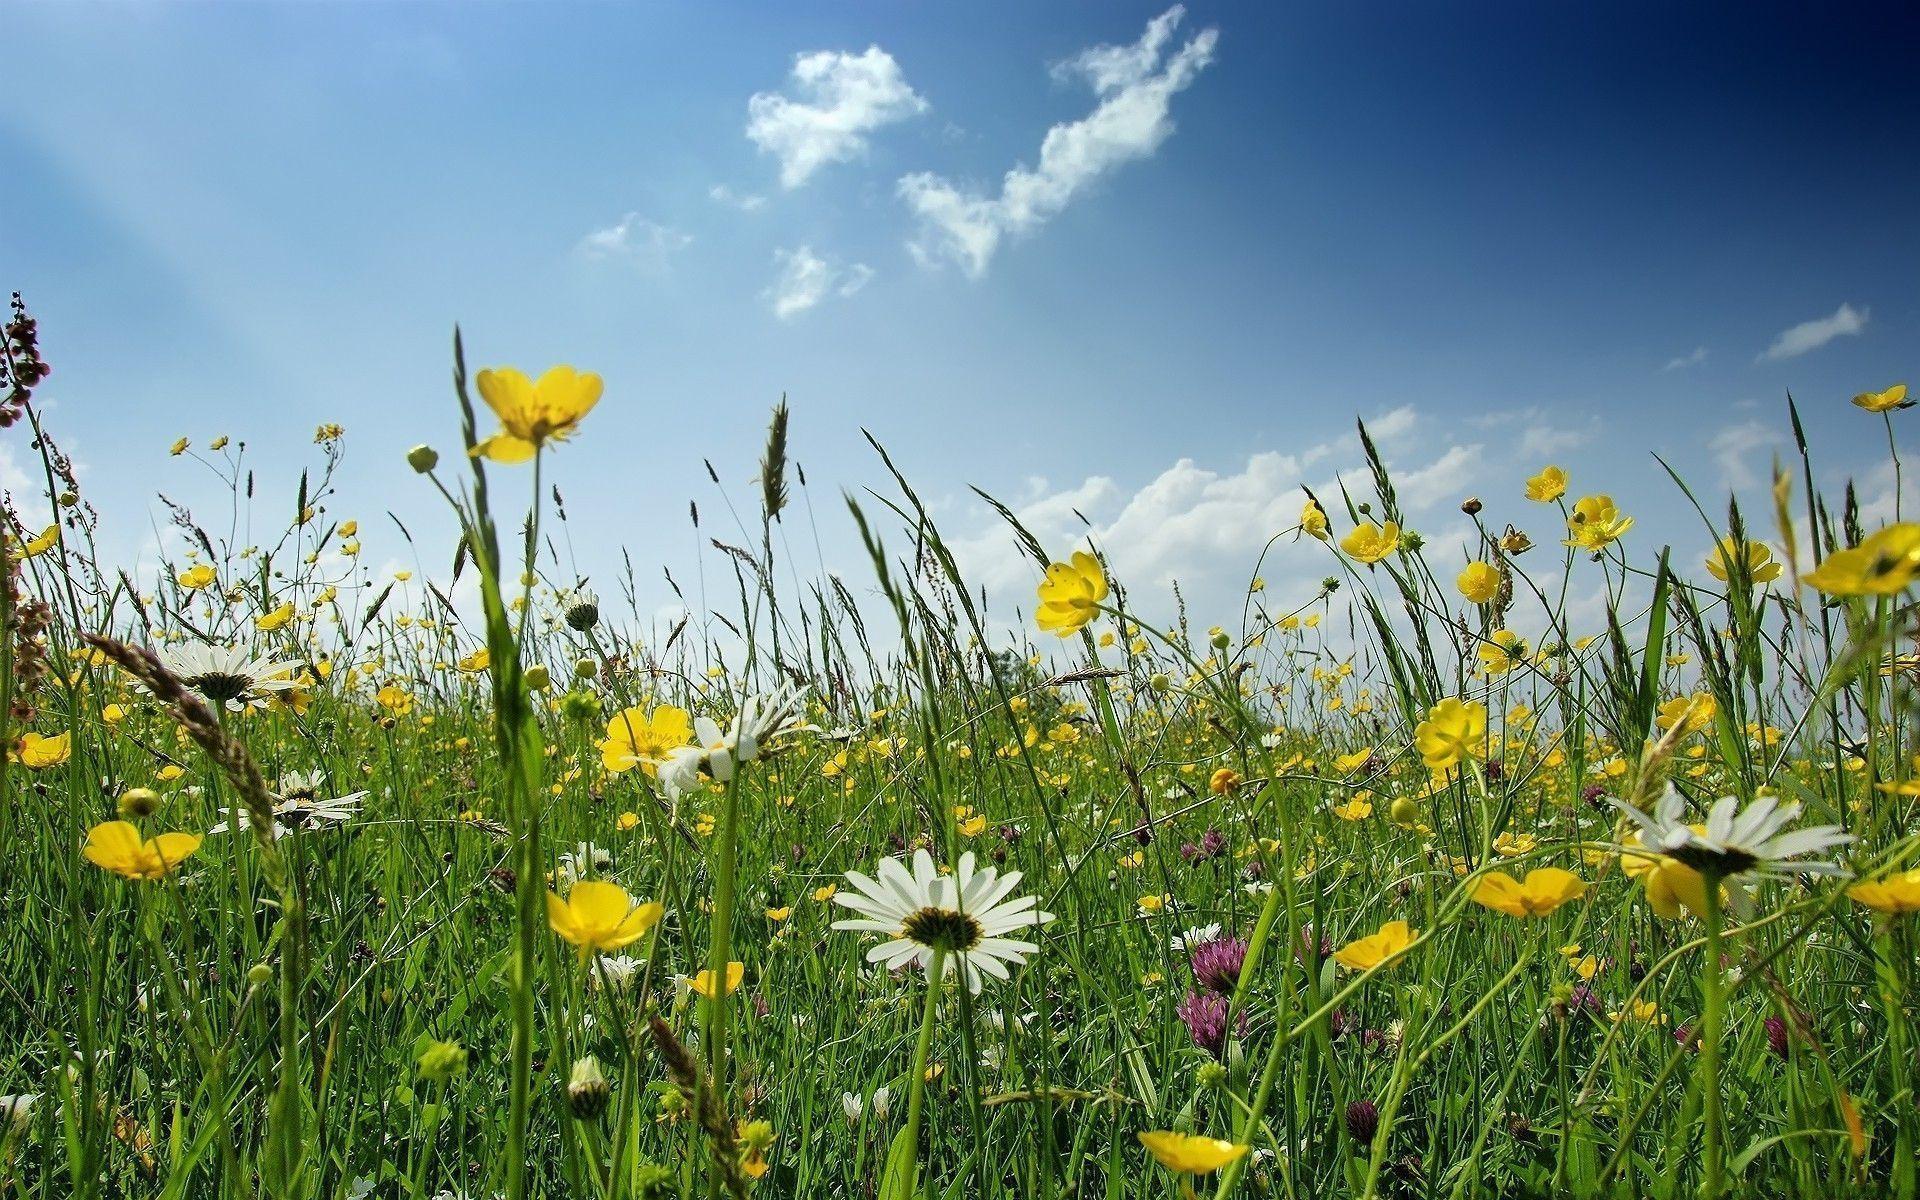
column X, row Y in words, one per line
column 763, row 721
column 1198, row 935
column 965, row 915
column 298, row 805
column 227, row 675
column 1756, row 841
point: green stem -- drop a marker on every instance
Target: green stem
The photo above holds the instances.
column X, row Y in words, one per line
column 908, row 1181
column 1714, row 1004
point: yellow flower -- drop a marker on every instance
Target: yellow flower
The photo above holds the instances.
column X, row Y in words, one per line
column 825, row 892
column 1539, row 894
column 1882, row 565
column 118, row 847
column 533, row 413
column 1596, row 523
column 196, row 577
column 703, row 982
column 1501, row 652
column 1070, row 594
column 1896, row 894
column 627, row 821
column 1313, row 521
column 476, row 662
column 779, row 914
column 37, row 753
column 1479, row 583
column 267, row 622
column 1759, row 559
column 597, row 915
column 48, row 538
column 1455, row 729
column 1674, row 888
column 1189, row 1153
column 1376, row 949
column 395, row 699
column 637, row 738
column 1224, row 781
column 1692, row 713
column 1549, row 485
column 1879, row 402
column 1370, row 543
column 179, row 447
column 1357, row 809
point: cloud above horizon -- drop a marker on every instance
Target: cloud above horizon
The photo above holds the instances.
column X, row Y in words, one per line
column 1807, row 336
column 804, row 279
column 1136, row 85
column 844, row 98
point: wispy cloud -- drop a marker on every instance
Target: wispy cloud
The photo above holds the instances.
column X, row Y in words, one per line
column 1682, row 362
column 1846, row 321
column 648, row 245
column 720, row 193
column 1136, row 85
column 1733, row 448
column 845, row 97
column 805, row 279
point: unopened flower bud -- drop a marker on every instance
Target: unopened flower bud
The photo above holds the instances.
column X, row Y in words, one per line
column 259, row 974
column 139, row 802
column 423, row 458
column 537, row 678
column 1470, row 506
column 586, row 668
column 588, row 1089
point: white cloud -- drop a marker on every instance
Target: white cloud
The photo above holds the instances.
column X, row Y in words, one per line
column 648, row 245
column 805, row 279
column 1681, row 362
column 1846, row 321
column 720, row 193
column 1733, row 448
column 1445, row 477
column 28, row 498
column 845, row 98
column 1136, row 85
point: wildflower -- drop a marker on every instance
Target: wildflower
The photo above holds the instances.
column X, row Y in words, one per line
column 1733, row 845
column 138, row 802
column 269, row 621
column 1363, row 1120
column 1313, row 520
column 476, row 662
column 1455, row 729
column 1546, row 487
column 118, row 847
column 1501, row 652
column 1880, row 402
column 395, row 699
column 16, row 1112
column 1895, row 895
column 583, row 613
column 1359, row 808
column 37, row 753
column 531, row 412
column 423, row 458
column 1755, row 556
column 1479, row 583
column 1691, row 713
column 1882, row 565
column 1376, row 949
column 1190, row 1154
column 40, row 544
column 1596, row 523
column 1216, row 964
column 763, row 721
column 755, row 1139
column 299, row 805
column 1224, row 781
column 1777, row 1037
column 196, row 577
column 1187, row 941
column 703, row 984
column 1205, row 1016
column 965, row 916
column 642, row 738
column 179, row 447
column 617, row 971
column 1539, row 894
column 597, row 915
column 226, row 675
column 1369, row 543
column 1070, row 595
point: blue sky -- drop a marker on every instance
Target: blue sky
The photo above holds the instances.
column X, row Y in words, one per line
column 1527, row 233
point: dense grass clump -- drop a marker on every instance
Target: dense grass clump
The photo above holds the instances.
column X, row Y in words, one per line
column 321, row 886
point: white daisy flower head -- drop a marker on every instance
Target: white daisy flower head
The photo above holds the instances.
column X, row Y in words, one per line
column 227, row 675
column 1732, row 843
column 299, row 804
column 764, row 722
column 965, row 915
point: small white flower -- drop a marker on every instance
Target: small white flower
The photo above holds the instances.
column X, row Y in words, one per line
column 617, row 971
column 16, row 1112
column 298, row 805
column 852, row 1105
column 882, row 1102
column 1198, row 935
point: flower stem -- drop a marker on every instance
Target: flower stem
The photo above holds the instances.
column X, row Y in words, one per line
column 1712, row 1017
column 908, row 1182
